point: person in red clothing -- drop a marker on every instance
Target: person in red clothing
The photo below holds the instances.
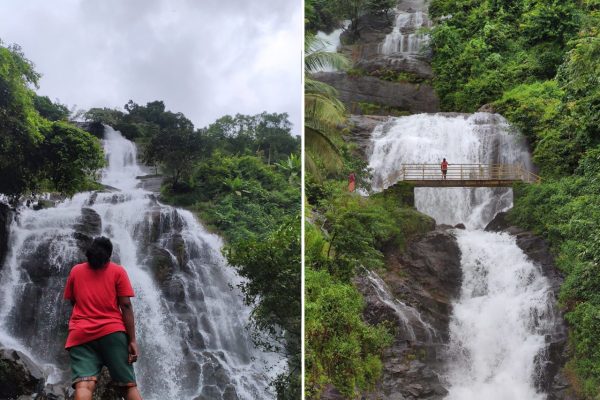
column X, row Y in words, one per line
column 444, row 168
column 351, row 182
column 101, row 327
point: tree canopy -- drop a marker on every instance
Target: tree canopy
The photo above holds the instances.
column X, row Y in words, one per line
column 38, row 150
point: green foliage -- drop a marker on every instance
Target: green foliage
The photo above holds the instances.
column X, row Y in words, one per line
column 272, row 265
column 266, row 135
column 567, row 212
column 341, row 349
column 486, row 48
column 324, row 15
column 70, row 157
column 49, row 110
column 240, row 196
column 35, row 153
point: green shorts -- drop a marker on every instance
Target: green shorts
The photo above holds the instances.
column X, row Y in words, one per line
column 111, row 350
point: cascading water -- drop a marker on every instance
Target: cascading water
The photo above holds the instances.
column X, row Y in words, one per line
column 480, row 138
column 499, row 324
column 406, row 37
column 190, row 317
column 411, row 324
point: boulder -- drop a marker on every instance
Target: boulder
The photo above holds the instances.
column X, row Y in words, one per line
column 19, row 375
column 88, row 226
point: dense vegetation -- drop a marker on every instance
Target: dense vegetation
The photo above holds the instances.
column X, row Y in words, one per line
column 241, row 175
column 537, row 62
column 325, row 15
column 39, row 149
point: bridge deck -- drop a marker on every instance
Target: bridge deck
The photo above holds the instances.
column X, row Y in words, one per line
column 462, row 183
column 463, row 175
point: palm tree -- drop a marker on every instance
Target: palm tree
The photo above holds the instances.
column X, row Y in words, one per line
column 323, row 111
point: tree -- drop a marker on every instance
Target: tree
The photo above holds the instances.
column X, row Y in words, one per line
column 69, row 156
column 323, row 111
column 175, row 148
column 272, row 266
column 49, row 110
column 34, row 152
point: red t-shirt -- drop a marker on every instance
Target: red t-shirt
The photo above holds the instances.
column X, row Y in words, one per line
column 96, row 312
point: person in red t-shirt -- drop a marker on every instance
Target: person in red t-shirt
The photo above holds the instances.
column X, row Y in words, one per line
column 101, row 328
column 444, row 167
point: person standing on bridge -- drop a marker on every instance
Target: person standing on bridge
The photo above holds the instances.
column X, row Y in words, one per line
column 101, row 328
column 444, row 167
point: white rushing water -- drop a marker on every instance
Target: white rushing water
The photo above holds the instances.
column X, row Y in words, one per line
column 479, row 138
column 506, row 307
column 499, row 323
column 406, row 37
column 191, row 322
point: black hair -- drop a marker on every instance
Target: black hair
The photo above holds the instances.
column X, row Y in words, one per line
column 99, row 252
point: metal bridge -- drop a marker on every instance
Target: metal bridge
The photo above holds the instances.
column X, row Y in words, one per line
column 463, row 175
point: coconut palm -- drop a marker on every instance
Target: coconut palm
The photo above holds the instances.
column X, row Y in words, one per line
column 323, row 111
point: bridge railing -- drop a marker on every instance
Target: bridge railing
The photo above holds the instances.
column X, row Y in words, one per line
column 465, row 172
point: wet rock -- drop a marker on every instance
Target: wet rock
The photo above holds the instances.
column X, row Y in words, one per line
column 499, row 223
column 487, row 108
column 151, row 183
column 6, row 217
column 427, row 276
column 162, row 265
column 230, row 393
column 210, row 392
column 19, row 375
column 43, row 203
column 400, row 96
column 87, row 228
column 361, row 128
column 460, row 226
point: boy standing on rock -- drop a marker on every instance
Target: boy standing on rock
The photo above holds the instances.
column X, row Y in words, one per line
column 101, row 328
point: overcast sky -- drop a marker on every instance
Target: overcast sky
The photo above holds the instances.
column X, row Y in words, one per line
column 205, row 58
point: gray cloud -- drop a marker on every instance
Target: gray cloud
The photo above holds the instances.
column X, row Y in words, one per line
column 205, row 58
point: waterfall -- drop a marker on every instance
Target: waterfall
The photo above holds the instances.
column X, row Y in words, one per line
column 499, row 322
column 499, row 325
column 331, row 42
column 480, row 138
column 190, row 317
column 405, row 37
column 411, row 323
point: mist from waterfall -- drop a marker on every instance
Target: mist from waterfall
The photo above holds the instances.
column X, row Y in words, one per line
column 506, row 309
column 190, row 318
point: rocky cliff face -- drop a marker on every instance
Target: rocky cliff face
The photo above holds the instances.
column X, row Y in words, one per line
column 391, row 73
column 370, row 95
column 6, row 216
column 425, row 277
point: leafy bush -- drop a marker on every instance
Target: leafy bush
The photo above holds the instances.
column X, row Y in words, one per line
column 341, row 349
